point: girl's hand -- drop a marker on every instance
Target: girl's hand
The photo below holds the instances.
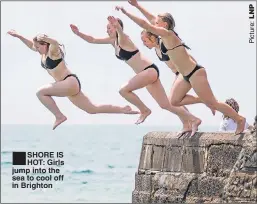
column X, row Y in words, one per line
column 74, row 29
column 13, row 33
column 120, row 8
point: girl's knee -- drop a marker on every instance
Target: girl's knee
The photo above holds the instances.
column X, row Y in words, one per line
column 124, row 91
column 40, row 92
column 165, row 106
column 174, row 102
column 43, row 91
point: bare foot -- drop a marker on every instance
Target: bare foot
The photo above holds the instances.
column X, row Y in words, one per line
column 186, row 128
column 195, row 124
column 143, row 116
column 59, row 121
column 240, row 125
column 128, row 110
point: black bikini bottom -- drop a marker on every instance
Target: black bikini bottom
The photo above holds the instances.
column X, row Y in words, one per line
column 154, row 67
column 197, row 67
column 74, row 75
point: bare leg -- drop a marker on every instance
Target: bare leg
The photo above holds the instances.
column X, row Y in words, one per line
column 187, row 126
column 158, row 93
column 202, row 88
column 179, row 96
column 83, row 102
column 188, row 100
column 60, row 89
column 70, row 87
column 141, row 80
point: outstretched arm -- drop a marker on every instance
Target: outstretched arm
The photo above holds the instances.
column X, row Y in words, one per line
column 27, row 42
column 150, row 17
column 89, row 38
column 144, row 24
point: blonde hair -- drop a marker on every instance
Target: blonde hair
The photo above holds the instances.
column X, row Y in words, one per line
column 168, row 18
column 149, row 34
column 41, row 42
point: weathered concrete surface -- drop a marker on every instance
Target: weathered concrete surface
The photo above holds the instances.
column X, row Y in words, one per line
column 206, row 168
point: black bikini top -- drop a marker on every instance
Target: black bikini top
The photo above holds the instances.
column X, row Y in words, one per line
column 164, row 50
column 163, row 57
column 50, row 63
column 125, row 55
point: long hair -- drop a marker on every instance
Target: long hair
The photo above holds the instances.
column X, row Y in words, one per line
column 168, row 18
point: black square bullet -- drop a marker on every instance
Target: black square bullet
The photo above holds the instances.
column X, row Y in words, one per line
column 19, row 158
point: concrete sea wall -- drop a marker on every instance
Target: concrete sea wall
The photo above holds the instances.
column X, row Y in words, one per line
column 205, row 168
